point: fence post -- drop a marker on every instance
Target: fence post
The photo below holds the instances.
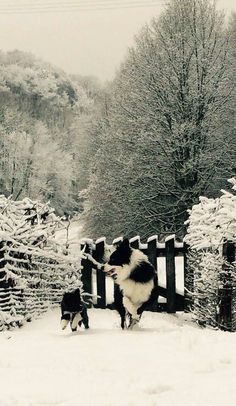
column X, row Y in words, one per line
column 170, row 274
column 86, row 273
column 135, row 242
column 152, row 250
column 152, row 257
column 188, row 281
column 3, row 282
column 116, row 242
column 225, row 317
column 101, row 277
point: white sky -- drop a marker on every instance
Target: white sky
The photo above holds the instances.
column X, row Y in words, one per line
column 92, row 42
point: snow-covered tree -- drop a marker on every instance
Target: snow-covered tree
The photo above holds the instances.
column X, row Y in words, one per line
column 39, row 106
column 211, row 223
column 32, row 163
column 163, row 145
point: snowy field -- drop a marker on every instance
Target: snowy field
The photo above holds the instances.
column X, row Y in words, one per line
column 167, row 362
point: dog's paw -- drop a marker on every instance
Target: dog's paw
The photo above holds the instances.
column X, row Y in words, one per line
column 74, row 330
column 133, row 323
column 64, row 324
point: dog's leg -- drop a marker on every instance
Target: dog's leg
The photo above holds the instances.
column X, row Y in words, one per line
column 75, row 320
column 151, row 303
column 132, row 324
column 85, row 319
column 123, row 318
column 131, row 308
column 133, row 316
column 65, row 318
column 118, row 301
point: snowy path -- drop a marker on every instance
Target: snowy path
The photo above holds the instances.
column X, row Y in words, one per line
column 75, row 233
column 168, row 362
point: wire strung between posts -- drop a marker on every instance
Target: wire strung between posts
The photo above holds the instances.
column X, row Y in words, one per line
column 73, row 6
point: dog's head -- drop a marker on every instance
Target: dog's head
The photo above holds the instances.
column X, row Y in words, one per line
column 119, row 260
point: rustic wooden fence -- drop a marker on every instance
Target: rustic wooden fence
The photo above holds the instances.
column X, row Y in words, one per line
column 226, row 316
column 173, row 301
column 24, row 303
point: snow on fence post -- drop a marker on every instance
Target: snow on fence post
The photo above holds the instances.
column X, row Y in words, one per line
column 117, row 241
column 226, row 318
column 135, row 242
column 101, row 277
column 170, row 274
column 86, row 273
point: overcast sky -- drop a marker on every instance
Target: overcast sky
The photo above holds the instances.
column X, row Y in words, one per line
column 87, row 42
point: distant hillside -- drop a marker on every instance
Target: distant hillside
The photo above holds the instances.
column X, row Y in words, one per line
column 41, row 111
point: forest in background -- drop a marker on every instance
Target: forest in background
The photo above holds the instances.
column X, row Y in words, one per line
column 136, row 153
column 43, row 117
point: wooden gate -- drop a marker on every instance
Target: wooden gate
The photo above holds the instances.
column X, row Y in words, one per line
column 172, row 297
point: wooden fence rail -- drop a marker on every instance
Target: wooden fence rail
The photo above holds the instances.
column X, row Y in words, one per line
column 170, row 249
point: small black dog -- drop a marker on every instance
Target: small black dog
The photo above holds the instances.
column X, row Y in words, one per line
column 73, row 310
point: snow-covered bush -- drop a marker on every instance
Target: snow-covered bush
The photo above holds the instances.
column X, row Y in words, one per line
column 34, row 268
column 211, row 223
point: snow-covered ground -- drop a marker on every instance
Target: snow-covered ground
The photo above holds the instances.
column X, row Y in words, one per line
column 168, row 361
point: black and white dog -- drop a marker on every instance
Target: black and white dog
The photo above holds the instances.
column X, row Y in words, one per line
column 134, row 276
column 73, row 310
